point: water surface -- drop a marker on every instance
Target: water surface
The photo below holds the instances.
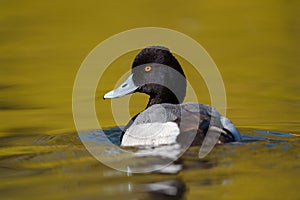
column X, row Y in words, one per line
column 255, row 45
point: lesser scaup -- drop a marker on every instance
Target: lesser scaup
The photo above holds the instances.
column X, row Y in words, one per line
column 166, row 120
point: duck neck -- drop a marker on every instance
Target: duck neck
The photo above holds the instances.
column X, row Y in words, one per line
column 158, row 99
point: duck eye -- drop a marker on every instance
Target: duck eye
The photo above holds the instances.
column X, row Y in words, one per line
column 148, row 68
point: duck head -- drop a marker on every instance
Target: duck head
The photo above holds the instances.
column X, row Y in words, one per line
column 156, row 72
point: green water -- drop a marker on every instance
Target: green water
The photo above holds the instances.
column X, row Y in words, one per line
column 255, row 45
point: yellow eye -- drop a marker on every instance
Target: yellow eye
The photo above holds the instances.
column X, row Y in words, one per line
column 148, row 68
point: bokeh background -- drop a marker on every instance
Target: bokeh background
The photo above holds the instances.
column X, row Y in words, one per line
column 255, row 45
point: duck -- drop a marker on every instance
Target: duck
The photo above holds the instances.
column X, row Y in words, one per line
column 166, row 119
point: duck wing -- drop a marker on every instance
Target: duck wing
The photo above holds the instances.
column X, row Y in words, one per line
column 187, row 124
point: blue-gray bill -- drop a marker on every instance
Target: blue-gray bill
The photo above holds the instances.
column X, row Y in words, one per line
column 125, row 88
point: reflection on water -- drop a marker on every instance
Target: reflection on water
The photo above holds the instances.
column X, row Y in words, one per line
column 254, row 44
column 59, row 164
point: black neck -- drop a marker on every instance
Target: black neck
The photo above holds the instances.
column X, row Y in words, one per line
column 158, row 99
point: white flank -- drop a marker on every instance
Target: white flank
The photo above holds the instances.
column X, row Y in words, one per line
column 151, row 134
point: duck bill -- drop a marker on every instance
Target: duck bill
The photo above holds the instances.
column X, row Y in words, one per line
column 125, row 88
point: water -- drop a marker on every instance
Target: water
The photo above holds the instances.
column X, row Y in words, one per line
column 255, row 46
column 60, row 167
